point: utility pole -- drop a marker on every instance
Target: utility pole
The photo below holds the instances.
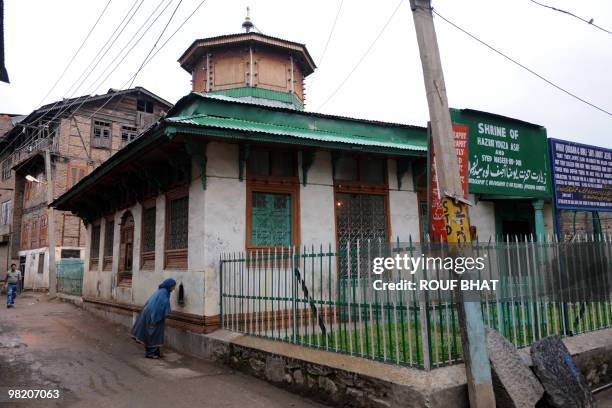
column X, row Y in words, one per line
column 473, row 338
column 50, row 223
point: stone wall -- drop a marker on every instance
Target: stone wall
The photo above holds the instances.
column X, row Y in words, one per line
column 330, row 385
column 343, row 380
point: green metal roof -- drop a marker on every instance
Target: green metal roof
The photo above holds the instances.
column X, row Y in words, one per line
column 236, row 119
column 284, row 99
column 306, row 135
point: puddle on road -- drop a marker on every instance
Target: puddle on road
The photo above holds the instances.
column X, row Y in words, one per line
column 10, row 342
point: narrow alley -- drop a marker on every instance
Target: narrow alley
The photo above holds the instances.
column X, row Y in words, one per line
column 53, row 345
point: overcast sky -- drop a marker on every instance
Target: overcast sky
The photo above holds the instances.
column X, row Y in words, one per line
column 42, row 36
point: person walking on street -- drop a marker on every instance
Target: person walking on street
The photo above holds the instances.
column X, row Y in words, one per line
column 13, row 277
column 149, row 326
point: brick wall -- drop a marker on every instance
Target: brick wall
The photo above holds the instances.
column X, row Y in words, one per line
column 74, row 157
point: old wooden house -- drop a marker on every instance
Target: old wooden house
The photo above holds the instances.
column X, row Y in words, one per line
column 81, row 134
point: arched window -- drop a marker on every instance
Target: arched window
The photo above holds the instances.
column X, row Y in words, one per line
column 126, row 249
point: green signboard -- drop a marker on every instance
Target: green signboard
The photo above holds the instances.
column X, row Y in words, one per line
column 506, row 157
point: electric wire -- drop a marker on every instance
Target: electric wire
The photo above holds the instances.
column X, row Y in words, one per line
column 589, row 22
column 87, row 71
column 363, row 56
column 98, row 59
column 70, row 93
column 150, row 58
column 82, row 99
column 329, row 37
column 97, row 82
column 560, row 88
column 76, row 53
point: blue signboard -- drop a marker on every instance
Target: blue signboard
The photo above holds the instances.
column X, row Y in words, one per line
column 582, row 176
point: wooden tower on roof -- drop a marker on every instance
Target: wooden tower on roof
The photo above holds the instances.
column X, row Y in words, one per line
column 249, row 65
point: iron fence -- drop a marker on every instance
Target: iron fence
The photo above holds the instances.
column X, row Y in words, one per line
column 70, row 276
column 318, row 297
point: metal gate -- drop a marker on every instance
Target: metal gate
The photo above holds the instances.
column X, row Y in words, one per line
column 361, row 221
column 70, row 276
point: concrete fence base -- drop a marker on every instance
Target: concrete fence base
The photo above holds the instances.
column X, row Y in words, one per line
column 344, row 380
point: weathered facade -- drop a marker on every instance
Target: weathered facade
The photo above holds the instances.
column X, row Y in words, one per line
column 7, row 122
column 81, row 134
column 237, row 165
column 219, row 175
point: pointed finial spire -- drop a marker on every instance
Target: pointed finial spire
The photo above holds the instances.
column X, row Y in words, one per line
column 248, row 24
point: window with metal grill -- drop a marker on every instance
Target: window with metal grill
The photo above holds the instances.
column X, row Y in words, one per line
column 101, row 134
column 94, row 250
column 109, row 235
column 177, row 234
column 271, row 219
column 148, row 237
column 272, row 199
column 177, row 214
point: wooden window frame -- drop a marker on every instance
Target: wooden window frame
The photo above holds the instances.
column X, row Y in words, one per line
column 27, row 190
column 359, row 186
column 131, row 133
column 273, row 184
column 147, row 259
column 100, row 145
column 175, row 258
column 43, row 230
column 124, row 277
column 354, row 190
column 145, row 103
column 76, row 167
column 107, row 260
column 93, row 262
column 7, row 171
column 6, row 210
column 25, row 235
column 34, row 240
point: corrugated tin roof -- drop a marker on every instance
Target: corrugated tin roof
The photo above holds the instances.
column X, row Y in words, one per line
column 266, row 104
column 300, row 133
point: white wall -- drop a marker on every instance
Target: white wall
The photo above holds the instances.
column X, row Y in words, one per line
column 217, row 218
column 33, row 279
column 221, row 218
column 317, row 218
column 403, row 206
column 482, row 216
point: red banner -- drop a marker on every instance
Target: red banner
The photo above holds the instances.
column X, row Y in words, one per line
column 437, row 224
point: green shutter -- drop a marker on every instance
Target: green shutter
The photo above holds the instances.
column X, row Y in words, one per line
column 271, row 219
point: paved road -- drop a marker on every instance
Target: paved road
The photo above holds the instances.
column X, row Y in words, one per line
column 54, row 345
column 604, row 399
